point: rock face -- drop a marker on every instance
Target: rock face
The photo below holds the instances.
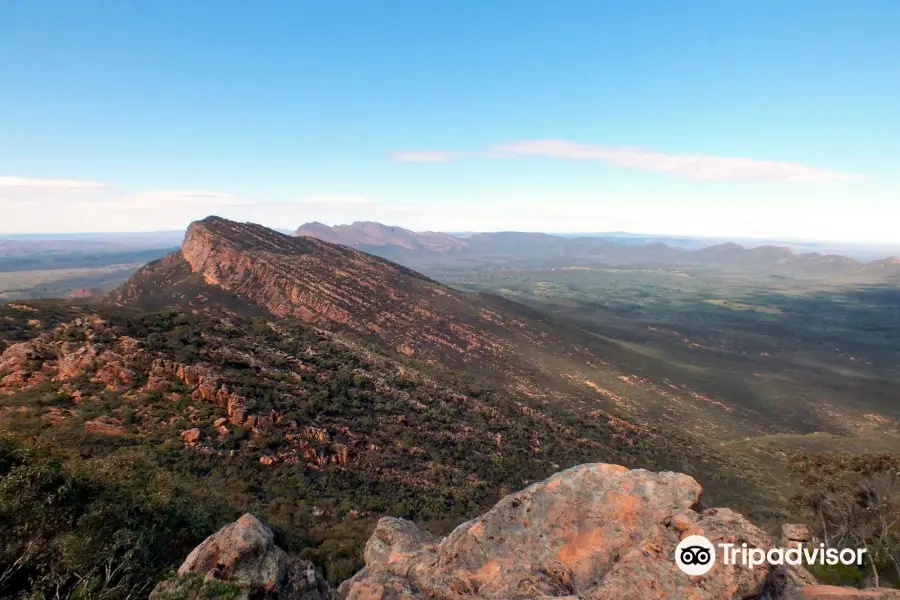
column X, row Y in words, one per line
column 244, row 556
column 340, row 289
column 337, row 286
column 593, row 532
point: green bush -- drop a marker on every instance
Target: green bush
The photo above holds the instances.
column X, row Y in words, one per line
column 91, row 528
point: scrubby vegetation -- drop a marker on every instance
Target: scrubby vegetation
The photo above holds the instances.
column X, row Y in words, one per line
column 853, row 501
column 85, row 527
column 357, row 435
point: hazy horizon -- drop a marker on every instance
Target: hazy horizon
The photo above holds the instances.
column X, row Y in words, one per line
column 861, row 250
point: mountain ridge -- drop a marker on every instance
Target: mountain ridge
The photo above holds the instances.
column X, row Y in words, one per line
column 415, row 246
column 250, row 270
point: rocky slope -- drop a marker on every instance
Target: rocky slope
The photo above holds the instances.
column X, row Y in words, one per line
column 310, row 430
column 243, row 269
column 334, row 287
column 592, row 532
column 246, row 269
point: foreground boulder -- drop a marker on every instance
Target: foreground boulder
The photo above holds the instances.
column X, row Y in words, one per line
column 592, row 532
column 241, row 562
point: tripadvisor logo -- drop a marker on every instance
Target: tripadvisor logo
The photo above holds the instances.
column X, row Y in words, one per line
column 696, row 555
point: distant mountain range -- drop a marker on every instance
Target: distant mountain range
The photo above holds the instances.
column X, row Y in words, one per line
column 368, row 233
column 414, row 248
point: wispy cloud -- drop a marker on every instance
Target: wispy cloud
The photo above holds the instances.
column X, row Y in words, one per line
column 425, row 156
column 51, row 184
column 688, row 166
column 691, row 166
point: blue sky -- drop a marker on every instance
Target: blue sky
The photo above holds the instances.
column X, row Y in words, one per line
column 702, row 117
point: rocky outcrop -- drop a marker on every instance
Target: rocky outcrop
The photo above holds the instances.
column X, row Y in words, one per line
column 83, row 347
column 206, row 386
column 241, row 561
column 593, row 532
column 90, row 348
column 345, row 289
column 192, row 437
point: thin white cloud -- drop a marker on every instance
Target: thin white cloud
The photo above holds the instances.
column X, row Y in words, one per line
column 51, row 184
column 425, row 156
column 689, row 166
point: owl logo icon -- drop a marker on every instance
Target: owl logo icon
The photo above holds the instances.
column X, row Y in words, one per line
column 695, row 555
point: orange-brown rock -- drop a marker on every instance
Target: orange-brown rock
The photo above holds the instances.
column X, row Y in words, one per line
column 208, row 387
column 593, row 532
column 192, row 437
column 244, row 554
column 84, row 293
column 792, row 534
column 29, row 363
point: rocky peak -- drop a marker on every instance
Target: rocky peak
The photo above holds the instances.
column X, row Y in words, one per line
column 336, row 287
column 205, row 236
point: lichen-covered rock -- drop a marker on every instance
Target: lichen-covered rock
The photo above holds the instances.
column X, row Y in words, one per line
column 242, row 561
column 593, row 532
